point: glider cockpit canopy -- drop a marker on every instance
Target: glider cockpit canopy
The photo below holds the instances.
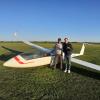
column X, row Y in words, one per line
column 34, row 55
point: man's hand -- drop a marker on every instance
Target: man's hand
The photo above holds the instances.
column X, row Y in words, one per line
column 68, row 47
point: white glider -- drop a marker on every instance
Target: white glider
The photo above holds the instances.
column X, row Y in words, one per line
column 43, row 57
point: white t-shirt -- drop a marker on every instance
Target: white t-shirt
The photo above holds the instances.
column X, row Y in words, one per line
column 58, row 48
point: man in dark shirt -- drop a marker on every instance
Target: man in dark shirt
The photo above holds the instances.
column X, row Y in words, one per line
column 67, row 49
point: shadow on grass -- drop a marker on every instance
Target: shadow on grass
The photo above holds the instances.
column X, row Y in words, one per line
column 10, row 54
column 86, row 72
column 2, row 98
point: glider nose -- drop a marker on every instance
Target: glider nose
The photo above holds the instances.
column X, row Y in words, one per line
column 10, row 63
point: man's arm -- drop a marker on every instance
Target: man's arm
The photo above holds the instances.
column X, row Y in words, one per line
column 70, row 46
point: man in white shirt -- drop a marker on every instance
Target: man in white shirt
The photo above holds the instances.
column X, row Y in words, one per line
column 58, row 53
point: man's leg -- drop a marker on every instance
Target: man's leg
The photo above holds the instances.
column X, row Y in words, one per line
column 56, row 61
column 66, row 63
column 69, row 63
column 52, row 61
column 61, row 61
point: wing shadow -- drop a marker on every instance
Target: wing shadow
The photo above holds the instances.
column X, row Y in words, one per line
column 10, row 54
column 86, row 72
column 80, row 70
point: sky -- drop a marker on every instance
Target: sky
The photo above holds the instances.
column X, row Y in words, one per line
column 46, row 20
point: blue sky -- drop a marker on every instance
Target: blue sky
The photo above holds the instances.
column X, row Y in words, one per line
column 49, row 19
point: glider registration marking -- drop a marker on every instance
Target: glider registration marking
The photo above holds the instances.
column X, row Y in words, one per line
column 19, row 61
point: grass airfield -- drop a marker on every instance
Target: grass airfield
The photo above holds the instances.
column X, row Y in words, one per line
column 43, row 83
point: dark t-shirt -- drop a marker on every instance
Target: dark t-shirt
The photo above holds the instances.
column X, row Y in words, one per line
column 67, row 48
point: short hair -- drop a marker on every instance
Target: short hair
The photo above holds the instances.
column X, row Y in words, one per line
column 65, row 38
column 59, row 39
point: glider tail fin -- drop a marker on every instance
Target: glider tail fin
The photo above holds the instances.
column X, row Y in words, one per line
column 82, row 49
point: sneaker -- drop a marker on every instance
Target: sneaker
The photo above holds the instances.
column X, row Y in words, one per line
column 68, row 71
column 65, row 70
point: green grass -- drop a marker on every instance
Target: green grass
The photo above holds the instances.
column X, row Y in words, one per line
column 43, row 83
